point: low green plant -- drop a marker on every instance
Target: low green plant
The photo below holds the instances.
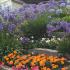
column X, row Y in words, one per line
column 8, row 43
column 64, row 46
column 36, row 28
column 66, row 18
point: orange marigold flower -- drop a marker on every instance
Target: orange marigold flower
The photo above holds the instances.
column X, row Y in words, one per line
column 11, row 62
column 63, row 69
column 18, row 56
column 15, row 52
column 7, row 59
column 48, row 69
column 10, row 55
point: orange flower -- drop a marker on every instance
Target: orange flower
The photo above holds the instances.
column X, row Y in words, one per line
column 18, row 56
column 48, row 69
column 11, row 62
column 15, row 52
column 44, row 68
column 13, row 56
column 10, row 55
column 32, row 64
column 63, row 69
column 42, row 63
column 62, row 62
column 62, row 59
column 54, row 66
column 20, row 64
column 7, row 59
column 17, row 66
column 23, row 62
column 29, row 55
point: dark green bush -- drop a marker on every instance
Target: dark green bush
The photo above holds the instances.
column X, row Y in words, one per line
column 36, row 28
column 64, row 46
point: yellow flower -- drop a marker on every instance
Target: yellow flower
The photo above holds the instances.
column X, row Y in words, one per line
column 15, row 52
column 5, row 57
column 62, row 62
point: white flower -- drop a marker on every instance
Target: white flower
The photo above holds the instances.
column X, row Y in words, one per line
column 52, row 39
column 32, row 37
column 17, row 39
column 32, row 41
column 7, row 34
column 43, row 39
column 59, row 39
column 53, row 36
column 47, row 41
column 21, row 38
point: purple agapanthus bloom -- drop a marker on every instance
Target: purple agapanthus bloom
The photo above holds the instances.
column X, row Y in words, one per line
column 51, row 28
column 11, row 27
column 62, row 4
column 24, row 40
column 1, row 26
column 59, row 26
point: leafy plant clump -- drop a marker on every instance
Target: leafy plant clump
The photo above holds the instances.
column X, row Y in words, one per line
column 36, row 28
column 64, row 46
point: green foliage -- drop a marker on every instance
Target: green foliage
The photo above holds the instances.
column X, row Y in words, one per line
column 8, row 42
column 36, row 28
column 66, row 18
column 64, row 46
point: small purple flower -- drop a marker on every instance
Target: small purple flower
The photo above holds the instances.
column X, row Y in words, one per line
column 62, row 4
column 11, row 27
column 24, row 40
column 51, row 28
column 1, row 26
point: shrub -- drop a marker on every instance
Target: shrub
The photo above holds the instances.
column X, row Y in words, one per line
column 64, row 46
column 36, row 28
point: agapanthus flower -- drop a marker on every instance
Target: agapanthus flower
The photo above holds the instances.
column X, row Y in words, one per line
column 62, row 4
column 51, row 28
column 24, row 40
column 59, row 26
column 1, row 26
column 11, row 27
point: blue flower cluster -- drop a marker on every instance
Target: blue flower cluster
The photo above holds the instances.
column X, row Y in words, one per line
column 61, row 26
column 30, row 11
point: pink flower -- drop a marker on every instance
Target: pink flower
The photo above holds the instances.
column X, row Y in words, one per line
column 1, row 64
column 14, row 68
column 35, row 68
